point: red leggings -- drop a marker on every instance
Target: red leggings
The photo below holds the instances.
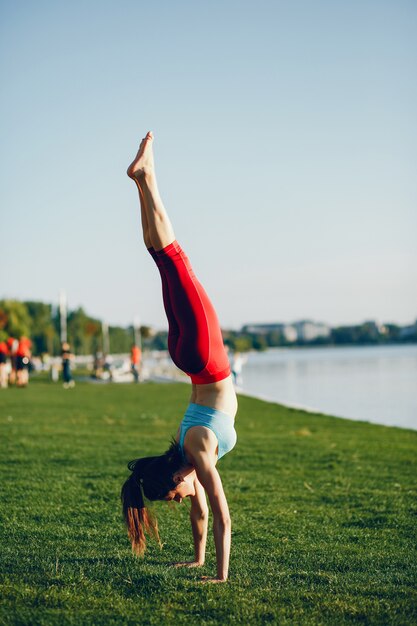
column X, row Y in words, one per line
column 195, row 340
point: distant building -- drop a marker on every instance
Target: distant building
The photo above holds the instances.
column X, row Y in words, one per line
column 290, row 333
column 409, row 331
column 287, row 331
column 263, row 329
column 308, row 330
column 304, row 330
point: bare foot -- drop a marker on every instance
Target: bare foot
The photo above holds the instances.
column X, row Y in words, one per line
column 143, row 164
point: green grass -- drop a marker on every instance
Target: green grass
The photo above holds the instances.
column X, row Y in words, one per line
column 323, row 514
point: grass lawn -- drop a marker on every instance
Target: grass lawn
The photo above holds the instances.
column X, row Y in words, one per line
column 323, row 513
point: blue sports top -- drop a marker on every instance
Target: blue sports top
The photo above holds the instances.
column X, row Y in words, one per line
column 220, row 423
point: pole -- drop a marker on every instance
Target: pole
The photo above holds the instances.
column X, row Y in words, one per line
column 63, row 315
column 136, row 332
column 106, row 339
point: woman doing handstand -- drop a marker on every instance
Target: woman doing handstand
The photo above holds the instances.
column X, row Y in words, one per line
column 188, row 467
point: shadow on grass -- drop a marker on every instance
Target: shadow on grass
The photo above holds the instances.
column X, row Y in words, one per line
column 132, row 580
column 143, row 585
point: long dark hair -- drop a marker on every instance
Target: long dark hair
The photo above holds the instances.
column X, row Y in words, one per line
column 152, row 477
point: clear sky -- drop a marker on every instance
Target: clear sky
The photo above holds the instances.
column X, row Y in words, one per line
column 285, row 141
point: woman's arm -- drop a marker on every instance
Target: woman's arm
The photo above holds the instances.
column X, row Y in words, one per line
column 211, row 481
column 199, row 522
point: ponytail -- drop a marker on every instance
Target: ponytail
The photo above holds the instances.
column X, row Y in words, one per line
column 152, row 477
column 137, row 517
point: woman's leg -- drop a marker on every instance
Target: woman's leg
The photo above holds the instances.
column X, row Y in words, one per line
column 195, row 341
column 145, row 226
column 155, row 220
column 156, row 226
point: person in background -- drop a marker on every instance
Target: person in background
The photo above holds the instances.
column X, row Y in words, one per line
column 23, row 355
column 12, row 345
column 237, row 365
column 98, row 365
column 66, row 366
column 135, row 361
column 108, row 367
column 4, row 351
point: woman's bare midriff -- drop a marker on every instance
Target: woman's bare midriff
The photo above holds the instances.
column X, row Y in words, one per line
column 220, row 396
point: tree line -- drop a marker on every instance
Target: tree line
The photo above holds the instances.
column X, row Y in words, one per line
column 361, row 334
column 41, row 323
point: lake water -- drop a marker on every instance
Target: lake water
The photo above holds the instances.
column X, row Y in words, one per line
column 375, row 384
